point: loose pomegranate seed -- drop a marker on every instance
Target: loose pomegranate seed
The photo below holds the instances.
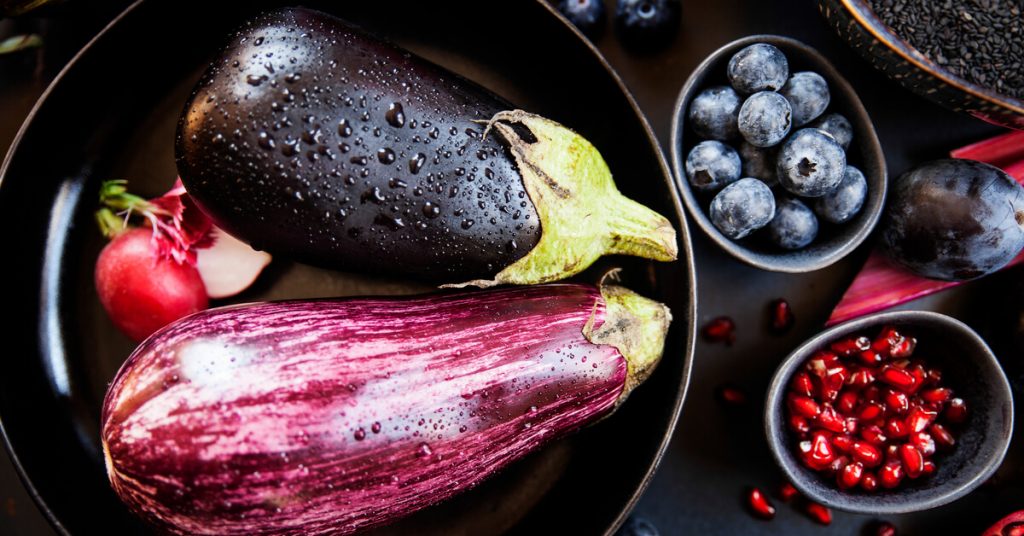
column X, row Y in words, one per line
column 847, row 402
column 731, row 395
column 924, row 442
column 896, row 428
column 869, row 482
column 830, row 420
column 956, row 411
column 870, row 411
column 819, row 513
column 897, row 401
column 850, row 346
column 918, row 419
column 865, row 453
column 882, row 528
column 898, row 378
column 720, row 329
column 759, row 504
column 782, row 316
column 943, row 439
column 890, row 475
column 802, row 384
column 799, row 424
column 788, row 492
column 804, row 405
column 913, row 460
column 873, row 434
column 850, row 475
column 842, row 443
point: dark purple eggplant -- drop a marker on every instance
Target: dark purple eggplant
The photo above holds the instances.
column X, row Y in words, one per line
column 330, row 416
column 309, row 138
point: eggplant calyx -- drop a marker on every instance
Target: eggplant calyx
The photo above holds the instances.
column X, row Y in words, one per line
column 582, row 214
column 637, row 327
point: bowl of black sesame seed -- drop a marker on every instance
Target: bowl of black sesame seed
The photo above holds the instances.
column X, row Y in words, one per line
column 965, row 55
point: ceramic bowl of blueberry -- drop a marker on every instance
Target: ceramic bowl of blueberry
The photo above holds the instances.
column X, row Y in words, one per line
column 892, row 413
column 776, row 157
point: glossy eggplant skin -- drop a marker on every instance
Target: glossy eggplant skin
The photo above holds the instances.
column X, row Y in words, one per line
column 329, row 416
column 309, row 138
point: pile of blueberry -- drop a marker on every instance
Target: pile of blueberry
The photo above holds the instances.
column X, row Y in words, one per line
column 786, row 153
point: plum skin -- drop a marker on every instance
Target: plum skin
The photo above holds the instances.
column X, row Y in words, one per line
column 954, row 220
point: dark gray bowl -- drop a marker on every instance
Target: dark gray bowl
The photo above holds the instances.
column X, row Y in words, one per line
column 968, row 366
column 834, row 241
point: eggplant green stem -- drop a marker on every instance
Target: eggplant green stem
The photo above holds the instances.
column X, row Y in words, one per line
column 582, row 214
column 637, row 327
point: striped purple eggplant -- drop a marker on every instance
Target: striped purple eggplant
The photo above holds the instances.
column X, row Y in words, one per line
column 331, row 416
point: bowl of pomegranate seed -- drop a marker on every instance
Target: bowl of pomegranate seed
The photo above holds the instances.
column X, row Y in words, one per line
column 891, row 413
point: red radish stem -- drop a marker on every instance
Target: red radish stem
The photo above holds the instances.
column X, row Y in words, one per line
column 331, row 416
column 999, row 150
column 880, row 285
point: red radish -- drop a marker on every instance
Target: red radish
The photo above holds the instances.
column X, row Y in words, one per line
column 332, row 416
column 141, row 291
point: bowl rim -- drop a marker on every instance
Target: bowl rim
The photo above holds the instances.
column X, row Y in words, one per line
column 774, row 429
column 686, row 320
column 869, row 145
column 869, row 20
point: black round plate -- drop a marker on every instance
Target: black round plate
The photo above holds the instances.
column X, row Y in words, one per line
column 111, row 114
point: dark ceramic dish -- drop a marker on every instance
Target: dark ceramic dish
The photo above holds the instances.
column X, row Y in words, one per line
column 111, row 113
column 834, row 241
column 969, row 367
column 859, row 26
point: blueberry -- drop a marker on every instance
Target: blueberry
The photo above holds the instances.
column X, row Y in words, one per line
column 711, row 165
column 758, row 67
column 637, row 526
column 807, row 94
column 838, row 126
column 647, row 24
column 765, row 119
column 742, row 208
column 811, row 163
column 843, row 203
column 586, row 15
column 954, row 219
column 713, row 113
column 794, row 225
column 759, row 163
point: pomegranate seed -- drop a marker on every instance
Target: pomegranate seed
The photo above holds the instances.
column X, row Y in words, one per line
column 830, row 420
column 869, row 482
column 928, row 468
column 850, row 346
column 819, row 513
column 847, row 402
column 917, row 371
column 802, row 384
column 870, row 411
column 898, row 378
column 833, row 381
column 956, row 411
column 888, row 338
column 943, row 439
column 861, row 378
column 730, row 395
column 913, row 460
column 897, row 401
column 938, row 395
column 852, row 424
column 759, row 504
column 924, row 442
column 820, row 362
column 787, row 492
column 842, row 443
column 819, row 450
column 804, row 405
column 799, row 424
column 782, row 316
column 836, row 466
column 872, row 393
column 918, row 419
column 720, row 329
column 882, row 528
column 870, row 357
column 896, row 428
column 903, row 348
column 865, row 453
column 890, row 475
column 850, row 475
column 933, row 376
column 873, row 434
column 892, row 452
